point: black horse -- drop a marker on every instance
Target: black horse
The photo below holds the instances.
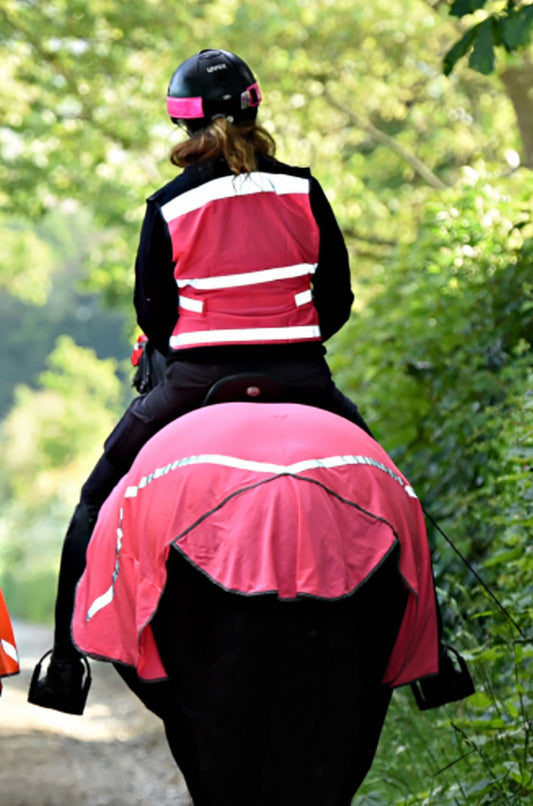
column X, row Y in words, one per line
column 273, row 701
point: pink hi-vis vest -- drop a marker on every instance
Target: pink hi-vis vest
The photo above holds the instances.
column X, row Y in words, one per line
column 9, row 660
column 261, row 498
column 245, row 248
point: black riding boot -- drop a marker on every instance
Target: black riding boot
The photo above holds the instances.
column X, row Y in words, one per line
column 65, row 684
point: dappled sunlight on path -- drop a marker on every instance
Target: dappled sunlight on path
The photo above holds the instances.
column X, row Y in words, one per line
column 114, row 755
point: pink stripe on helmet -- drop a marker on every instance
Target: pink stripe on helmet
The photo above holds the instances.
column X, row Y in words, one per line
column 183, row 108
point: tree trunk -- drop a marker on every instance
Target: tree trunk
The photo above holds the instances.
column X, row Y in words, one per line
column 518, row 83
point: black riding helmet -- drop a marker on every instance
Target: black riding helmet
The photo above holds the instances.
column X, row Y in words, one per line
column 211, row 84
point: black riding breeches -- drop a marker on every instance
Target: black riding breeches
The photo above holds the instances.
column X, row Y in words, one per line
column 185, row 387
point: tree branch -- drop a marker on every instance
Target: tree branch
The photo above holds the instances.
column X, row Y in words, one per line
column 372, row 240
column 381, row 137
column 54, row 62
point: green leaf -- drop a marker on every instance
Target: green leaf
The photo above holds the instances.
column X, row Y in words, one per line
column 461, row 7
column 482, row 56
column 515, row 28
column 504, row 556
column 480, row 700
column 458, row 51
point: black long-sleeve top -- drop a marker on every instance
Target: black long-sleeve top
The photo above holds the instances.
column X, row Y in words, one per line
column 156, row 292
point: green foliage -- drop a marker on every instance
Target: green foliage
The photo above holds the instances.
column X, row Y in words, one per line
column 43, row 297
column 450, row 314
column 420, row 169
column 49, row 442
column 51, row 430
column 444, row 372
column 508, row 28
column 25, row 264
column 355, row 88
column 461, row 7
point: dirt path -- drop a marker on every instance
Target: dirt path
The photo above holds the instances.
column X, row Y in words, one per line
column 114, row 755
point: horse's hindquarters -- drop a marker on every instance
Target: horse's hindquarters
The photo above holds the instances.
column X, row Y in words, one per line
column 275, row 702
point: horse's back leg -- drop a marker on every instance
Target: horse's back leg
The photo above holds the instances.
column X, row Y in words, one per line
column 279, row 702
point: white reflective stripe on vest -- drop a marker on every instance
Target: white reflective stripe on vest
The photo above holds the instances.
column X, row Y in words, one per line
column 248, row 278
column 303, row 297
column 226, row 187
column 326, row 462
column 195, row 305
column 245, row 335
